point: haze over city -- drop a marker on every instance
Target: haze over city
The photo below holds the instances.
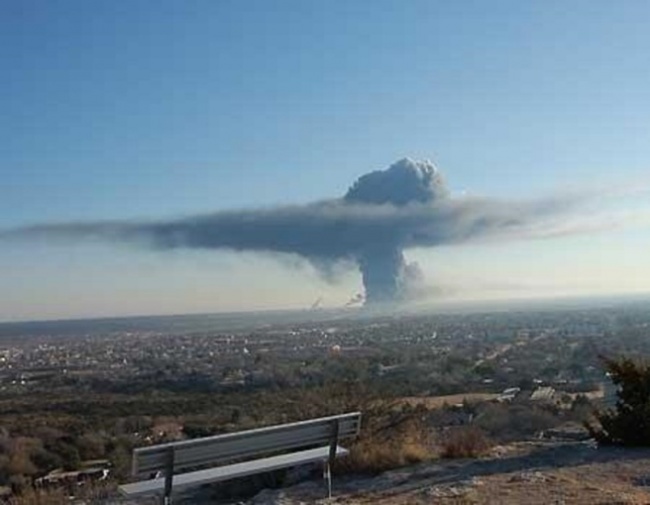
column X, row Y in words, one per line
column 289, row 251
column 211, row 156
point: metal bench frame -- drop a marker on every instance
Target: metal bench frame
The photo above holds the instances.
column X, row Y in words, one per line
column 254, row 451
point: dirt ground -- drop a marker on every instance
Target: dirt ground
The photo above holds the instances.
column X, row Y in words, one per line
column 525, row 473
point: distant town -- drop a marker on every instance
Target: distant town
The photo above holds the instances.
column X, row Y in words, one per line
column 82, row 399
column 490, row 351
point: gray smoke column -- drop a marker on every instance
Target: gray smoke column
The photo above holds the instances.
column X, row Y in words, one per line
column 406, row 182
column 384, row 212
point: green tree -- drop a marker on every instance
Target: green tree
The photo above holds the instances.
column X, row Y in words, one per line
column 628, row 423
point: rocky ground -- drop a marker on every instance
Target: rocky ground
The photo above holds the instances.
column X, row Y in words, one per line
column 533, row 472
column 527, row 472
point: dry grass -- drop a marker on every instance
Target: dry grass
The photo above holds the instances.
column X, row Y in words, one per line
column 388, row 440
column 464, row 442
column 396, row 434
column 60, row 496
column 373, row 456
column 40, row 497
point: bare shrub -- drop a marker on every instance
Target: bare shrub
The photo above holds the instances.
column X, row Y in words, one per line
column 464, row 442
column 505, row 423
column 389, row 439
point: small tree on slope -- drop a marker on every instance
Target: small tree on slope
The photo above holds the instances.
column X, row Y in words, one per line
column 628, row 423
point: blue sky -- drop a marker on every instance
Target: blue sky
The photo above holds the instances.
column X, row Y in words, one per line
column 130, row 109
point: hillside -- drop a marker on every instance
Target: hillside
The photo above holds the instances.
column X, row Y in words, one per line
column 526, row 472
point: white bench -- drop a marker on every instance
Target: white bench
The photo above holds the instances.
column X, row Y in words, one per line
column 240, row 454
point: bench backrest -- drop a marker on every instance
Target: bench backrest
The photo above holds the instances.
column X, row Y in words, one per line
column 245, row 444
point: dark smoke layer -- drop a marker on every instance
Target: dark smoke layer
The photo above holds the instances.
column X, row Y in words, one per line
column 383, row 213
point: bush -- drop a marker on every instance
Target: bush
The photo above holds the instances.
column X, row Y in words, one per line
column 505, row 423
column 375, row 456
column 389, row 439
column 628, row 423
column 91, row 446
column 464, row 442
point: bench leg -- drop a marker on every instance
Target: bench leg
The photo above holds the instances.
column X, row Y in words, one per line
column 169, row 476
column 334, row 441
column 327, row 475
column 166, row 497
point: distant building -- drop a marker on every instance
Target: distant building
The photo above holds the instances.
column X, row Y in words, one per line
column 508, row 394
column 91, row 470
column 384, row 369
column 544, row 393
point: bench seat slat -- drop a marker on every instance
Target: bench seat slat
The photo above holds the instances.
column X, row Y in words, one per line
column 231, row 471
column 222, row 451
column 245, row 444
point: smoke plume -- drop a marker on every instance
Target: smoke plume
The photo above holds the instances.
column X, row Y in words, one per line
column 383, row 213
column 382, row 265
